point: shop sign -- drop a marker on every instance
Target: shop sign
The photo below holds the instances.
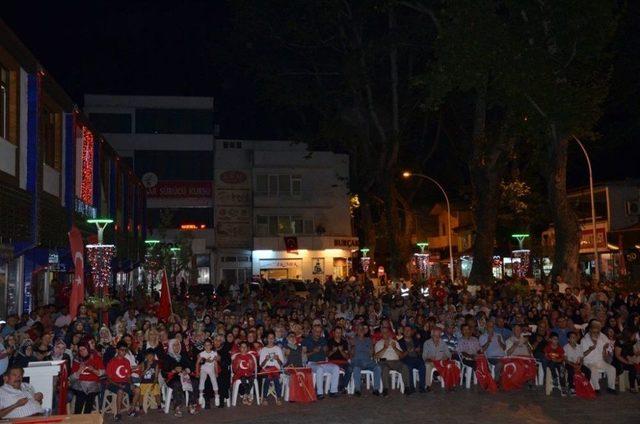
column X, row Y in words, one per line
column 586, row 241
column 181, row 190
column 279, row 263
column 84, row 209
column 233, row 177
column 349, row 243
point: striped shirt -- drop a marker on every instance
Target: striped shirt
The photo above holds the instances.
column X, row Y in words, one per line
column 9, row 396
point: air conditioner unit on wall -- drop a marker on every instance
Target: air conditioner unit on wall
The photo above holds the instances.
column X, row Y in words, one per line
column 633, row 207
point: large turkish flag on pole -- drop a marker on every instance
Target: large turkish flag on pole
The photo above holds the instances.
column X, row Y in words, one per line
column 77, row 254
column 164, row 310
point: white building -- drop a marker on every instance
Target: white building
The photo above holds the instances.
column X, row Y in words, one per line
column 270, row 194
column 169, row 141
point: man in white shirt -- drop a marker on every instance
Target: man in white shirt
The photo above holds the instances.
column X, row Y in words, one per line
column 18, row 399
column 517, row 344
column 388, row 352
column 594, row 345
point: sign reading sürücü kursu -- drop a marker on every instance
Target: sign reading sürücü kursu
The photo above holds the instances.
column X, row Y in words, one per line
column 181, row 189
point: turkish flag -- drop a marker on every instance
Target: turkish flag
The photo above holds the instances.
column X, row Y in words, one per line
column 583, row 387
column 483, row 374
column 301, row 385
column 449, row 372
column 164, row 310
column 63, row 388
column 243, row 365
column 77, row 254
column 516, row 371
column 291, row 244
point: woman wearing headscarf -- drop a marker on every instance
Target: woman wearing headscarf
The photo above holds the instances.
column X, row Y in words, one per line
column 24, row 355
column 86, row 370
column 59, row 352
column 175, row 369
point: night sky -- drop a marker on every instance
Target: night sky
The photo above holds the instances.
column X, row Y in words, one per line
column 187, row 48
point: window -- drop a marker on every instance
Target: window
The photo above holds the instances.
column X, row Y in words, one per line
column 51, row 135
column 277, row 225
column 117, row 123
column 4, row 102
column 175, row 165
column 232, row 144
column 262, row 184
column 174, row 121
column 279, row 185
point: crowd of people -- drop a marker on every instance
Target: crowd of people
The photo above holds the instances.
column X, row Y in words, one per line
column 338, row 329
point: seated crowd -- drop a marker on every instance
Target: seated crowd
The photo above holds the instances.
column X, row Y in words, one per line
column 340, row 331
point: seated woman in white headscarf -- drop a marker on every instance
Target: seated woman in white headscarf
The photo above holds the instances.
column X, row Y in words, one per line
column 175, row 370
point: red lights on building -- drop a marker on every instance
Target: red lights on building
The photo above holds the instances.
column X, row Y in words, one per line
column 86, row 188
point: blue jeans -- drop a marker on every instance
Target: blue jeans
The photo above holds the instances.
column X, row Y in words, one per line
column 358, row 365
column 417, row 364
column 267, row 383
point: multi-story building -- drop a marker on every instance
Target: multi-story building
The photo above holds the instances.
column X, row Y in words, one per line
column 56, row 171
column 617, row 212
column 282, row 211
column 169, row 141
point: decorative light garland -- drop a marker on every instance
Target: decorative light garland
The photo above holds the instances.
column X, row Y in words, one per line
column 86, row 185
column 522, row 268
column 100, row 257
column 365, row 261
column 422, row 261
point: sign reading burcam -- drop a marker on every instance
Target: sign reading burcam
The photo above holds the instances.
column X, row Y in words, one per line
column 346, row 242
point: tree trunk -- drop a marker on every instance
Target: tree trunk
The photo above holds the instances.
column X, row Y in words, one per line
column 567, row 230
column 484, row 173
column 392, row 220
column 484, row 180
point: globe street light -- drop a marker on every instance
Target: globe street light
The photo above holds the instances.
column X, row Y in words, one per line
column 407, row 174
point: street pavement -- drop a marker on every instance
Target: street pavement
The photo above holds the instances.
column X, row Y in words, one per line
column 526, row 406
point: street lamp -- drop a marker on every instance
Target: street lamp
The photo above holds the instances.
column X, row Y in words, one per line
column 596, row 277
column 100, row 224
column 407, row 174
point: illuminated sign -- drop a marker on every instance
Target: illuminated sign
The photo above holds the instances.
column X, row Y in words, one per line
column 346, row 242
column 191, row 227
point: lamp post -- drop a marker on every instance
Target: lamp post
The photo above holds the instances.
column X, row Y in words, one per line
column 407, row 174
column 596, row 277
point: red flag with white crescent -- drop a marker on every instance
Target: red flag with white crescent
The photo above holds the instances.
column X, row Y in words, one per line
column 483, row 374
column 77, row 255
column 516, row 372
column 449, row 372
column 63, row 388
column 583, row 387
column 164, row 309
column 301, row 385
column 243, row 365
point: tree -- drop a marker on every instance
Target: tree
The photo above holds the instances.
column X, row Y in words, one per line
column 343, row 70
column 564, row 48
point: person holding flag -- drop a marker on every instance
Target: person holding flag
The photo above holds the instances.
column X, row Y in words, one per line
column 436, row 354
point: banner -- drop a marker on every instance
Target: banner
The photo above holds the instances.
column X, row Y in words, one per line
column 301, row 385
column 77, row 255
column 516, row 371
column 291, row 243
column 164, row 310
column 483, row 374
column 449, row 372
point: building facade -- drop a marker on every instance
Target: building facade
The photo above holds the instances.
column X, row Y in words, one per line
column 56, row 171
column 169, row 141
column 282, row 211
column 617, row 211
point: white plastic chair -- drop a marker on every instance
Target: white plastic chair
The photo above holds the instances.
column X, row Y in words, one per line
column 109, row 403
column 396, row 381
column 167, row 393
column 235, row 387
column 434, row 371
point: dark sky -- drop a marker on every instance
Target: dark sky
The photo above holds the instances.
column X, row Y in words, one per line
column 186, row 48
